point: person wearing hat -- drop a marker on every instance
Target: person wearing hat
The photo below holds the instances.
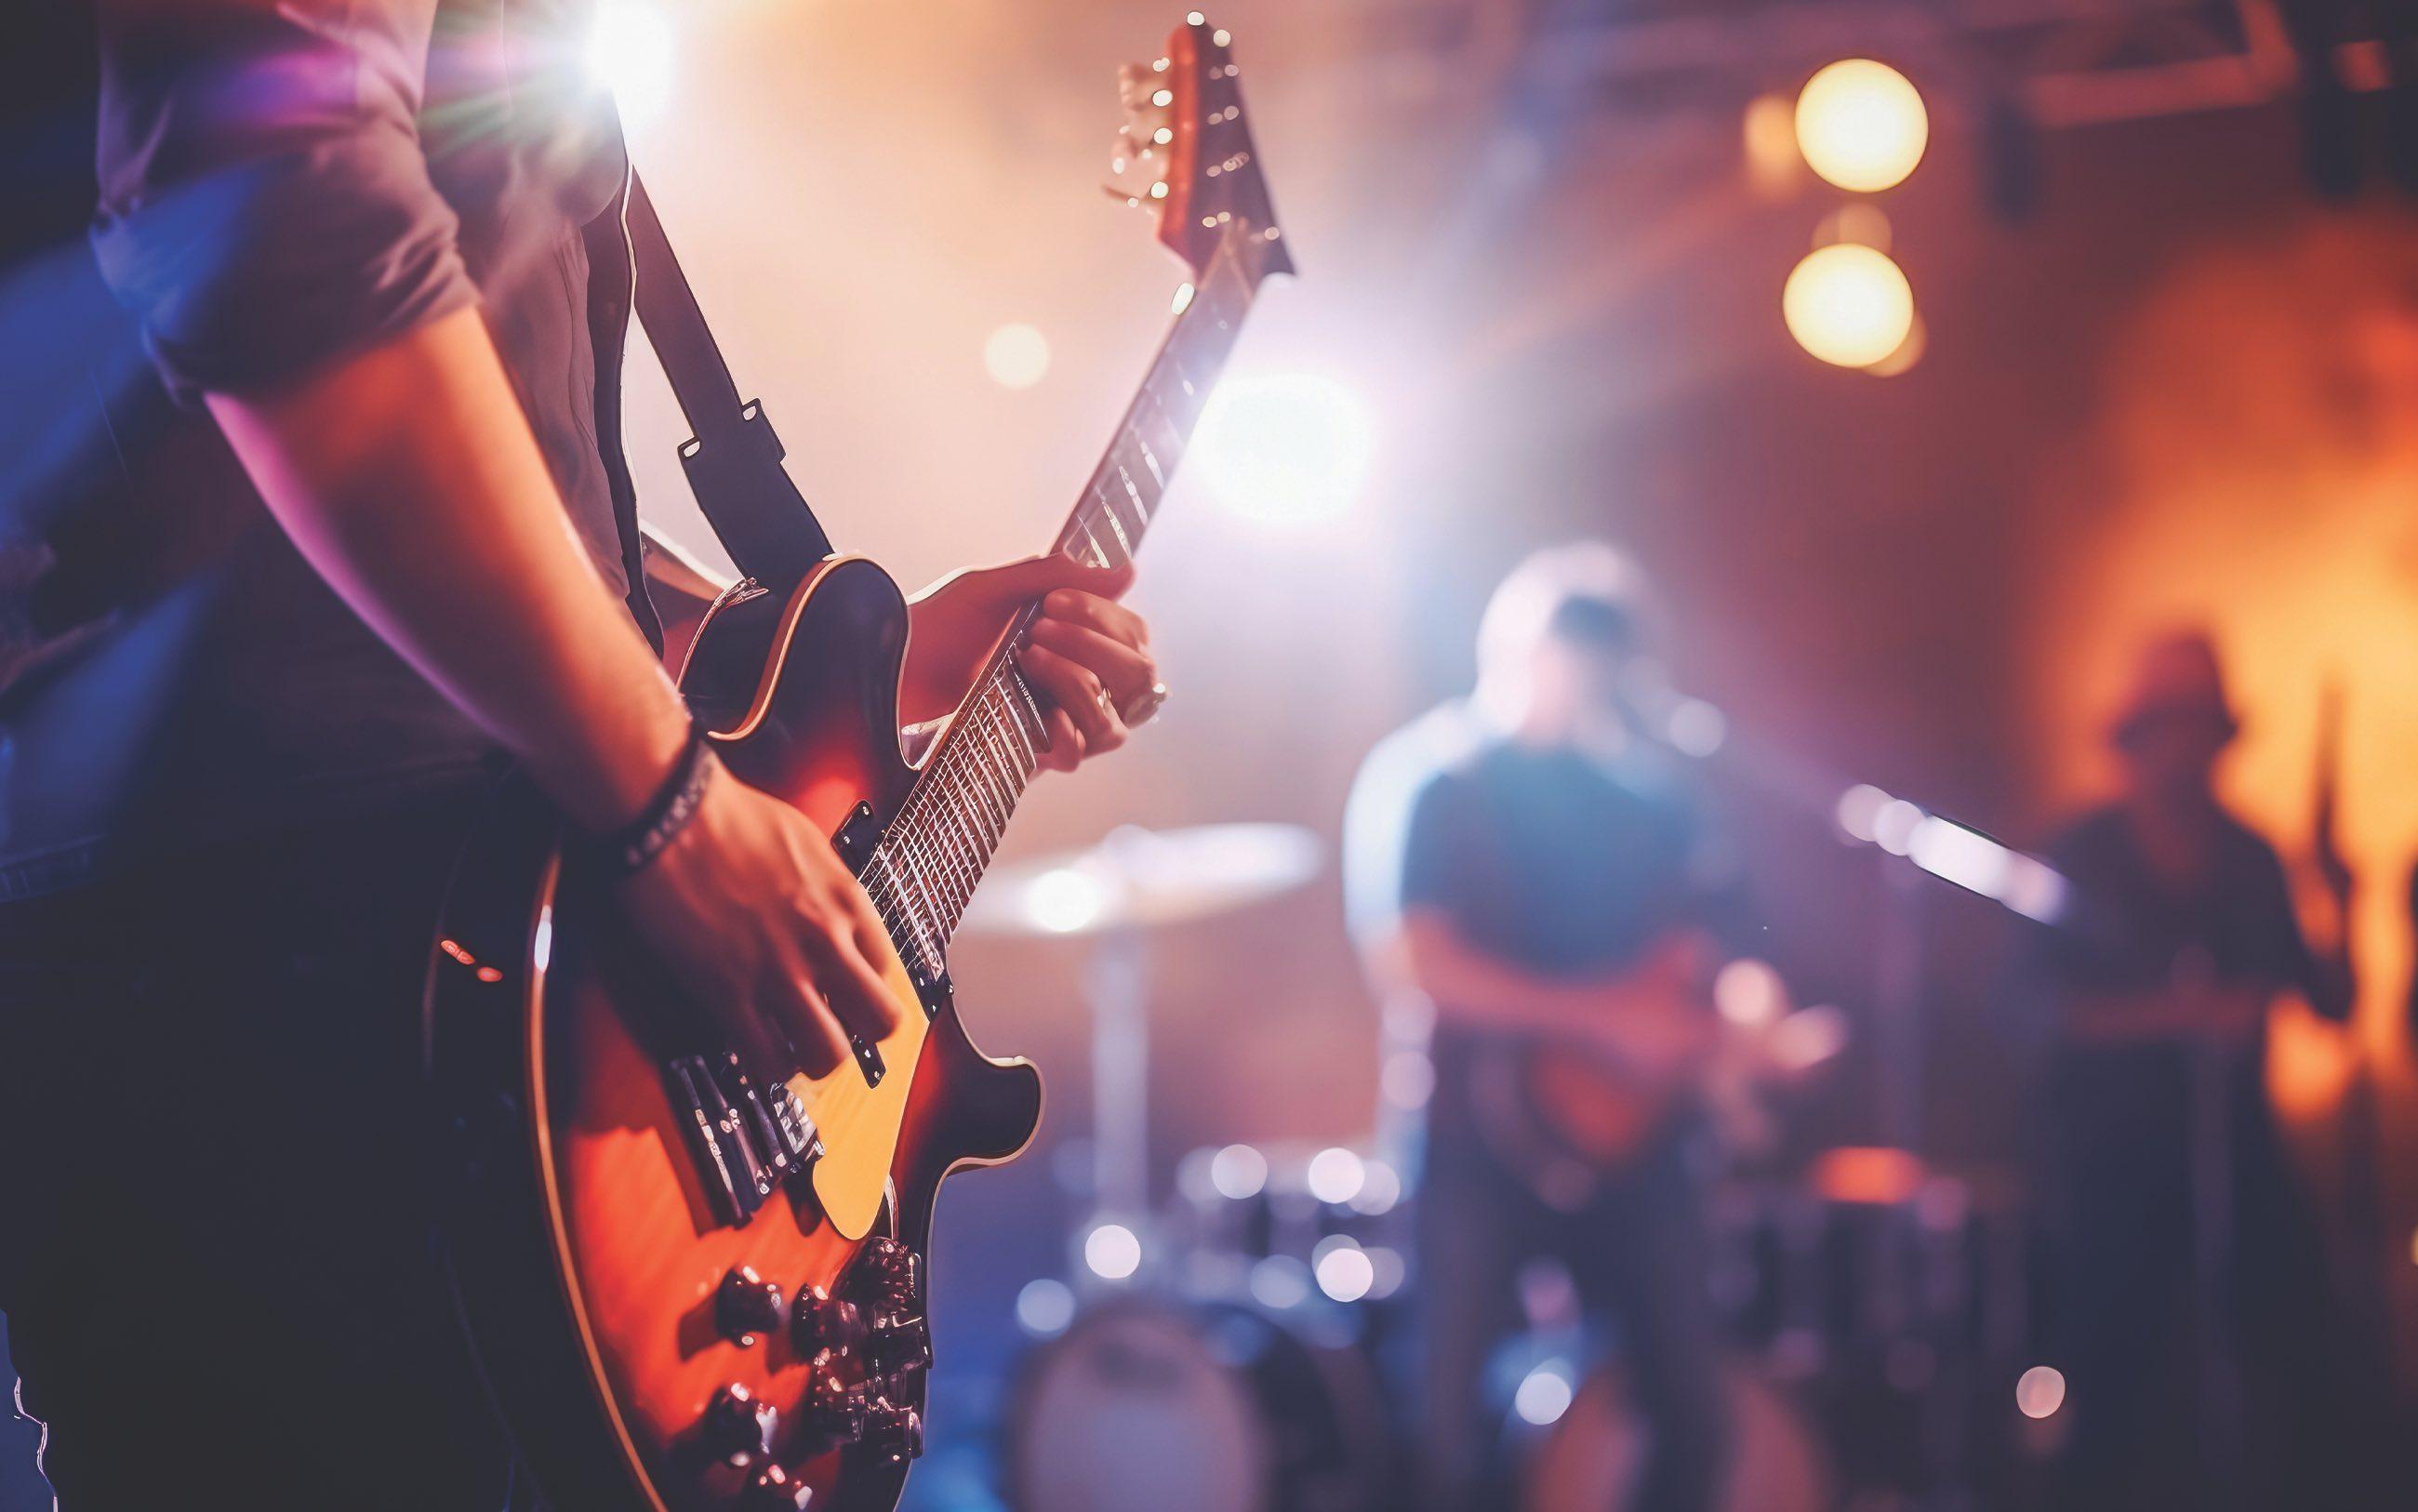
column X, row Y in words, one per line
column 2185, row 1267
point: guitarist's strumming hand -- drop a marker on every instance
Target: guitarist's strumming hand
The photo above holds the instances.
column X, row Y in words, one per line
column 765, row 929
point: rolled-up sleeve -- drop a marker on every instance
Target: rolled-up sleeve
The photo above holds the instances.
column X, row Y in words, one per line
column 266, row 206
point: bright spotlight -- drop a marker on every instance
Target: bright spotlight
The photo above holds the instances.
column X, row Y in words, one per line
column 1335, row 1175
column 1112, row 1251
column 2040, row 1391
column 630, row 51
column 1861, row 125
column 1848, row 305
column 1544, row 1394
column 1288, row 448
column 1017, row 356
column 1045, row 1307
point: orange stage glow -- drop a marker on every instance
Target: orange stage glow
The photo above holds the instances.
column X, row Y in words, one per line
column 2251, row 467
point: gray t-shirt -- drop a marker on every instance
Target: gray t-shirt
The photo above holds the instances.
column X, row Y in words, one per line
column 223, row 196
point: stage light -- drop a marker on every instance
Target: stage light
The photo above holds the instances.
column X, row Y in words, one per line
column 1861, row 125
column 1289, row 448
column 1773, row 163
column 1017, row 356
column 2040, row 1391
column 1381, row 1187
column 1848, row 305
column 1544, row 1394
column 1748, row 993
column 1857, row 807
column 1112, row 1251
column 1066, row 899
column 1238, row 1171
column 1335, row 1175
column 631, row 48
column 1407, row 1079
column 1045, row 1307
column 1893, row 827
column 1695, row 729
column 1343, row 1271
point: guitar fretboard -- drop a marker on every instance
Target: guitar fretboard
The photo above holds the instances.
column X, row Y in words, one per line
column 935, row 852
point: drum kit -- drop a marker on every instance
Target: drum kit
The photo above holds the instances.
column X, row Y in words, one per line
column 1870, row 1300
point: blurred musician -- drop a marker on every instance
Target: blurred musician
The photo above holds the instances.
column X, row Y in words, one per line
column 1525, row 868
column 2188, row 1277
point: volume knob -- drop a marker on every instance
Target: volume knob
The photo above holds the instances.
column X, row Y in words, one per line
column 821, row 1321
column 836, row 1408
column 747, row 1306
column 737, row 1427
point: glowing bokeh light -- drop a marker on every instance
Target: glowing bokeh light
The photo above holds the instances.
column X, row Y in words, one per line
column 1848, row 305
column 2040, row 1391
column 1343, row 1269
column 1544, row 1394
column 1065, row 899
column 1861, row 125
column 1112, row 1251
column 1748, row 993
column 632, row 52
column 1017, row 356
column 1335, row 1175
column 1238, row 1171
column 1768, row 133
column 1287, row 448
column 1045, row 1307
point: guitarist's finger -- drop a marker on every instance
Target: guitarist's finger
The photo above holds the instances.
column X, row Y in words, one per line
column 1128, row 674
column 1019, row 582
column 857, row 991
column 1076, row 690
column 1066, row 748
column 1094, row 611
column 814, row 1036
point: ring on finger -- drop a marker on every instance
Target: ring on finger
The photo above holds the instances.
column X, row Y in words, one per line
column 1146, row 706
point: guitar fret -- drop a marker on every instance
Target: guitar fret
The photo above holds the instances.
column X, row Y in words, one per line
column 943, row 838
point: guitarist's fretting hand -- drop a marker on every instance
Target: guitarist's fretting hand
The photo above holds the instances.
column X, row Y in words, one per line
column 1088, row 654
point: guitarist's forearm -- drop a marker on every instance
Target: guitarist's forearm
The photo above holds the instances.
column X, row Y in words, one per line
column 1471, row 986
column 407, row 476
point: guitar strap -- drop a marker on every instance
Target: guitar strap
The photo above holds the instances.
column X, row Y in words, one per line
column 733, row 458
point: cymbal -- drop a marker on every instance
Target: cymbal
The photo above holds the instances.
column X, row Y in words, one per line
column 1139, row 878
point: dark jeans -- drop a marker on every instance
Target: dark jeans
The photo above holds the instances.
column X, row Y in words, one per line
column 1639, row 1256
column 215, row 1250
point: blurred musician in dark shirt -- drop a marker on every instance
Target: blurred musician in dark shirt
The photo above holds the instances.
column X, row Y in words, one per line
column 1522, row 867
column 2188, row 1283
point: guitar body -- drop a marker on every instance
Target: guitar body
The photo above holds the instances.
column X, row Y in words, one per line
column 689, row 1293
column 586, row 1236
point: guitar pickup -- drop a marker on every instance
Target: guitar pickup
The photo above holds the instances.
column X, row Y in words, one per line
column 776, row 1122
column 735, row 1178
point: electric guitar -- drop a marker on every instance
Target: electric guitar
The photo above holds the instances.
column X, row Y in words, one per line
column 689, row 1293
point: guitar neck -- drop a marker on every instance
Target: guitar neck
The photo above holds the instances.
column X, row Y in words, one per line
column 941, row 843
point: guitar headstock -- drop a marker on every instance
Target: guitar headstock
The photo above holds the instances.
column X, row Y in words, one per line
column 1184, row 153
